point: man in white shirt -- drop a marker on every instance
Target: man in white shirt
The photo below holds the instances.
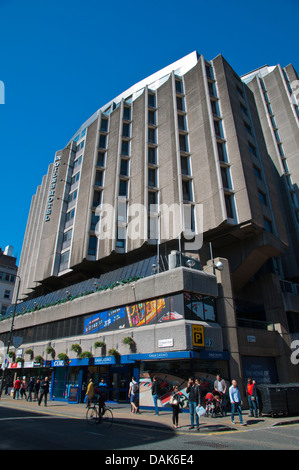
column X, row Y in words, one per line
column 235, row 399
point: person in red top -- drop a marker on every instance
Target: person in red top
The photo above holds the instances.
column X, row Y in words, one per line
column 17, row 387
column 252, row 397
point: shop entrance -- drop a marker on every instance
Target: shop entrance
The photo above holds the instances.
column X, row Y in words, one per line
column 119, row 376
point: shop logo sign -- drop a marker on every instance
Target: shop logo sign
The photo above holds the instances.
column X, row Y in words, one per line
column 59, row 363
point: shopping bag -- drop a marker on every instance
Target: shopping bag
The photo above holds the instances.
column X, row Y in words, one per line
column 200, row 411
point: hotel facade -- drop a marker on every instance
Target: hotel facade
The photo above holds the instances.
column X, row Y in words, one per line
column 164, row 238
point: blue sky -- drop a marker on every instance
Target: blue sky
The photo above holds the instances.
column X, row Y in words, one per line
column 62, row 60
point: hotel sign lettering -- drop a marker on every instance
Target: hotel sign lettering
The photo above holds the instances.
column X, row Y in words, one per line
column 52, row 188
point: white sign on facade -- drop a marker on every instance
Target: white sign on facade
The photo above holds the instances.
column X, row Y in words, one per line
column 165, row 343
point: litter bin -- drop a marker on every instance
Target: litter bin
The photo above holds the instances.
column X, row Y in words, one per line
column 292, row 392
column 273, row 399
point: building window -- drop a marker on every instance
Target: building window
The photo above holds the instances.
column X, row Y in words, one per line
column 97, row 198
column 252, row 149
column 277, row 136
column 243, row 109
column 215, row 108
column 257, row 172
column 152, row 201
column 221, row 152
column 70, row 215
column 280, row 149
column 183, row 140
column 209, row 72
column 247, row 128
column 92, row 246
column 263, row 198
column 152, row 117
column 225, row 177
column 75, row 178
column 127, row 113
column 180, row 103
column 77, row 162
column 152, row 155
column 125, row 147
column 103, row 141
column 185, row 165
column 179, row 86
column 73, row 196
column 151, row 100
column 181, row 122
column 7, row 294
column 152, row 177
column 101, row 159
column 124, row 167
column 218, row 129
column 66, row 240
column 268, row 225
column 241, row 93
column 123, row 188
column 229, row 206
column 126, row 130
column 152, row 135
column 99, row 178
column 4, row 309
column 121, row 237
column 212, row 90
column 104, row 125
column 94, row 220
column 187, row 190
column 64, row 261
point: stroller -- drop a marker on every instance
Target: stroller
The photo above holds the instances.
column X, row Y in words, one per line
column 213, row 404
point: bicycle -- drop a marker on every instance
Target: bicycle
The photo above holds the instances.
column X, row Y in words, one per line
column 99, row 414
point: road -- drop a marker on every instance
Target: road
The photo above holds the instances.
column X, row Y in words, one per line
column 29, row 430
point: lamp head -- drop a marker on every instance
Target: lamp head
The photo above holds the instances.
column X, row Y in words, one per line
column 219, row 266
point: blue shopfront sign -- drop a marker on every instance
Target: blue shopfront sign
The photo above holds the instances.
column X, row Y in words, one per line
column 104, row 360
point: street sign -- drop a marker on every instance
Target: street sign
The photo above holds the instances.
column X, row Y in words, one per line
column 198, row 337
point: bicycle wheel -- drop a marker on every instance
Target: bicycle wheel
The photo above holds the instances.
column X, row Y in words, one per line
column 107, row 418
column 92, row 415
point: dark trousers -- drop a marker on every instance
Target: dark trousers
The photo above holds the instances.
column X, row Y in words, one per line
column 45, row 395
column 175, row 414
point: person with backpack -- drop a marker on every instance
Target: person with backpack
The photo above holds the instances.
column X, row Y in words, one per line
column 133, row 395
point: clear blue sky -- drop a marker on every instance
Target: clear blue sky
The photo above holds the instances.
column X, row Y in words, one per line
column 62, row 60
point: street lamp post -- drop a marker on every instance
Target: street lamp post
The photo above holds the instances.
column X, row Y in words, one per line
column 10, row 333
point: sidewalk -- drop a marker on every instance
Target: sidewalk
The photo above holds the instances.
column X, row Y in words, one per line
column 146, row 418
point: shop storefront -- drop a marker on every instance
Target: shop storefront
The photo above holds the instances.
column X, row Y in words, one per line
column 70, row 381
column 175, row 369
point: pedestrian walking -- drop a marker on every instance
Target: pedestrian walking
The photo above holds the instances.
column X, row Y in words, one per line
column 36, row 390
column 175, row 404
column 155, row 394
column 23, row 389
column 194, row 400
column 44, row 390
column 133, row 395
column 221, row 387
column 235, row 399
column 17, row 387
column 89, row 393
column 251, row 393
column 30, row 388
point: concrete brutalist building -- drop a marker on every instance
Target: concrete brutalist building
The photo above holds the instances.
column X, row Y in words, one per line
column 218, row 154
